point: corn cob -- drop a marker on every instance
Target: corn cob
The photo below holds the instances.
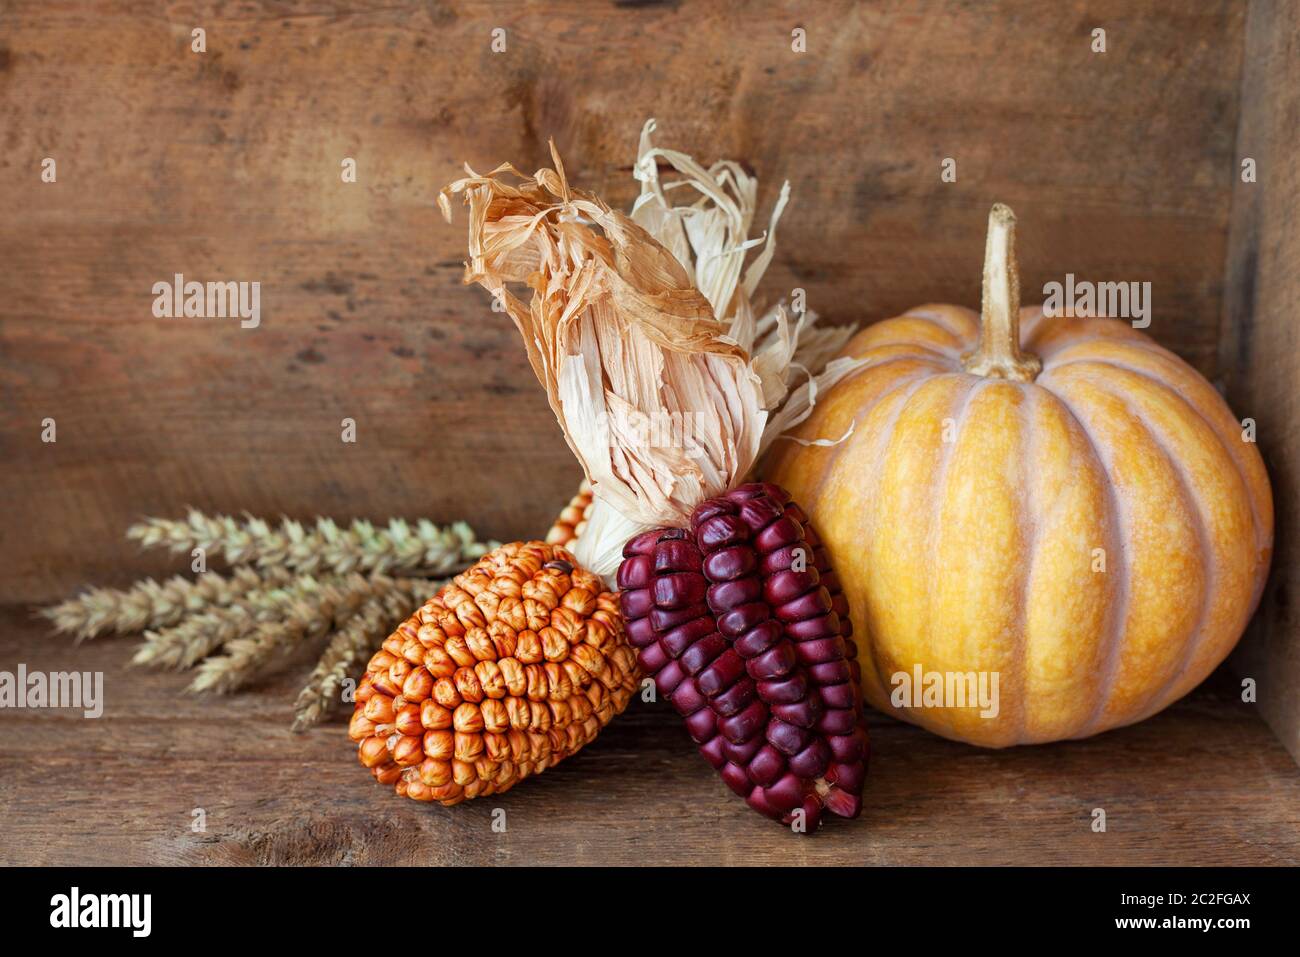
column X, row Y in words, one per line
column 571, row 522
column 743, row 625
column 514, row 665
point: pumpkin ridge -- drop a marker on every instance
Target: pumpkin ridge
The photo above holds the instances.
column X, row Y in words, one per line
column 912, row 386
column 930, row 355
column 906, row 389
column 1227, row 584
column 888, row 334
column 1193, row 504
column 1082, row 460
column 962, row 403
column 775, row 460
column 1055, row 335
column 960, row 340
column 1262, row 535
column 1029, row 532
column 939, row 314
column 1117, row 608
column 935, row 359
column 1045, row 395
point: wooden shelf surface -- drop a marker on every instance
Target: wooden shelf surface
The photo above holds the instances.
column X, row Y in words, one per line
column 1205, row 782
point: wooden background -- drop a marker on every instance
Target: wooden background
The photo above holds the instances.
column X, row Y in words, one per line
column 1260, row 346
column 225, row 166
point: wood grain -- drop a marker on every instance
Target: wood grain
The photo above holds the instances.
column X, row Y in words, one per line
column 1260, row 352
column 1202, row 783
column 225, row 166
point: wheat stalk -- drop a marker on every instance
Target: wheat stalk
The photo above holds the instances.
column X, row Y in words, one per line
column 400, row 547
column 148, row 603
column 311, row 610
column 288, row 584
column 348, row 650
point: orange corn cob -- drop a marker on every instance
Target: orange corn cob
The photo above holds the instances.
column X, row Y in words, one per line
column 514, row 665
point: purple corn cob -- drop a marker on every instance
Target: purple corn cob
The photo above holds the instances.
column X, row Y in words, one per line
column 745, row 629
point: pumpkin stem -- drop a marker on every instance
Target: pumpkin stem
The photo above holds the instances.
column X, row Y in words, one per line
column 998, row 354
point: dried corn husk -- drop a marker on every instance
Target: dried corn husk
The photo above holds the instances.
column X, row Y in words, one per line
column 615, row 328
column 643, row 326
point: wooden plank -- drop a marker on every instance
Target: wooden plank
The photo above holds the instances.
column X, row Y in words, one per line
column 1261, row 348
column 1202, row 783
column 226, row 166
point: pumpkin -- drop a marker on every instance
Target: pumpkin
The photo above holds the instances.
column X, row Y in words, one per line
column 1057, row 503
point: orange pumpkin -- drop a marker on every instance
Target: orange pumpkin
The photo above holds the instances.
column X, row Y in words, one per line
column 1085, row 518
